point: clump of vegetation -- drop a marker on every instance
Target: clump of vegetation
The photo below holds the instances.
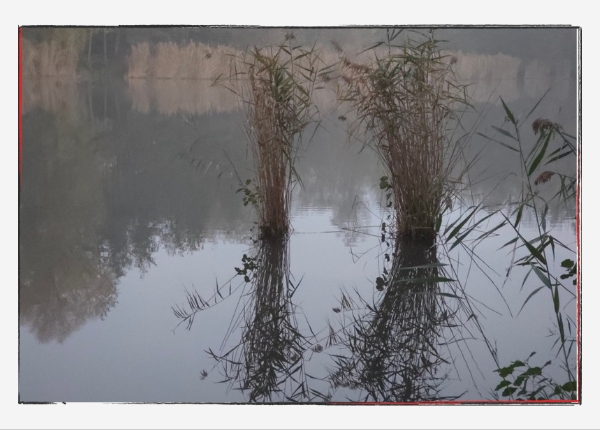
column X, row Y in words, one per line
column 276, row 86
column 530, row 383
column 168, row 60
column 405, row 101
column 57, row 56
column 536, row 253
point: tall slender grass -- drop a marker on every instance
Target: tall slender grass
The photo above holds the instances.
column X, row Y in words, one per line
column 275, row 86
column 405, row 101
column 535, row 254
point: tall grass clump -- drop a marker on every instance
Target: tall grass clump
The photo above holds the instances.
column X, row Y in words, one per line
column 275, row 86
column 405, row 100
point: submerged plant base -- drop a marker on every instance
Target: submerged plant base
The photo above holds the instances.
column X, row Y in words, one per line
column 270, row 232
column 420, row 235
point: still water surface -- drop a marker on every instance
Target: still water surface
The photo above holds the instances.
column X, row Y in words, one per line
column 127, row 205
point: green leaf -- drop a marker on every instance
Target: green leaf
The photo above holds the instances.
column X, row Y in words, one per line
column 570, row 386
column 544, row 213
column 502, row 384
column 519, row 380
column 542, row 276
column 519, row 214
column 459, row 226
column 504, row 132
column 509, row 391
column 508, row 112
column 461, row 238
column 537, row 254
column 499, row 142
column 556, row 299
column 529, row 297
column 558, row 157
column 533, row 371
column 510, row 242
column 540, row 155
column 449, row 295
column 568, row 263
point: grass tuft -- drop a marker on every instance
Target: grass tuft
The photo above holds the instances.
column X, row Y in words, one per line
column 405, row 101
column 276, row 86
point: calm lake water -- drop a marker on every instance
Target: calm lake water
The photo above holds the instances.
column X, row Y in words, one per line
column 128, row 203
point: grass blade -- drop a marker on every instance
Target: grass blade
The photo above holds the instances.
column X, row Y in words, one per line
column 508, row 112
column 529, row 297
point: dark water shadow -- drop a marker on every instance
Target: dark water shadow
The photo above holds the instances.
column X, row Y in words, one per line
column 391, row 346
column 268, row 361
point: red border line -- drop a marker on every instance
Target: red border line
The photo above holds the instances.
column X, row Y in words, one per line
column 459, row 402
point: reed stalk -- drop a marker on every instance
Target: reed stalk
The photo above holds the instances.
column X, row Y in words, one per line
column 405, row 101
column 276, row 86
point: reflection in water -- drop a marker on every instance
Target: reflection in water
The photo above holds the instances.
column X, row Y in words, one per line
column 64, row 279
column 393, row 353
column 268, row 362
column 59, row 298
column 107, row 182
column 488, row 77
column 178, row 96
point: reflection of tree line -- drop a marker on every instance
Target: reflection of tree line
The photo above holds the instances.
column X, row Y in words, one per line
column 103, row 190
column 63, row 279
